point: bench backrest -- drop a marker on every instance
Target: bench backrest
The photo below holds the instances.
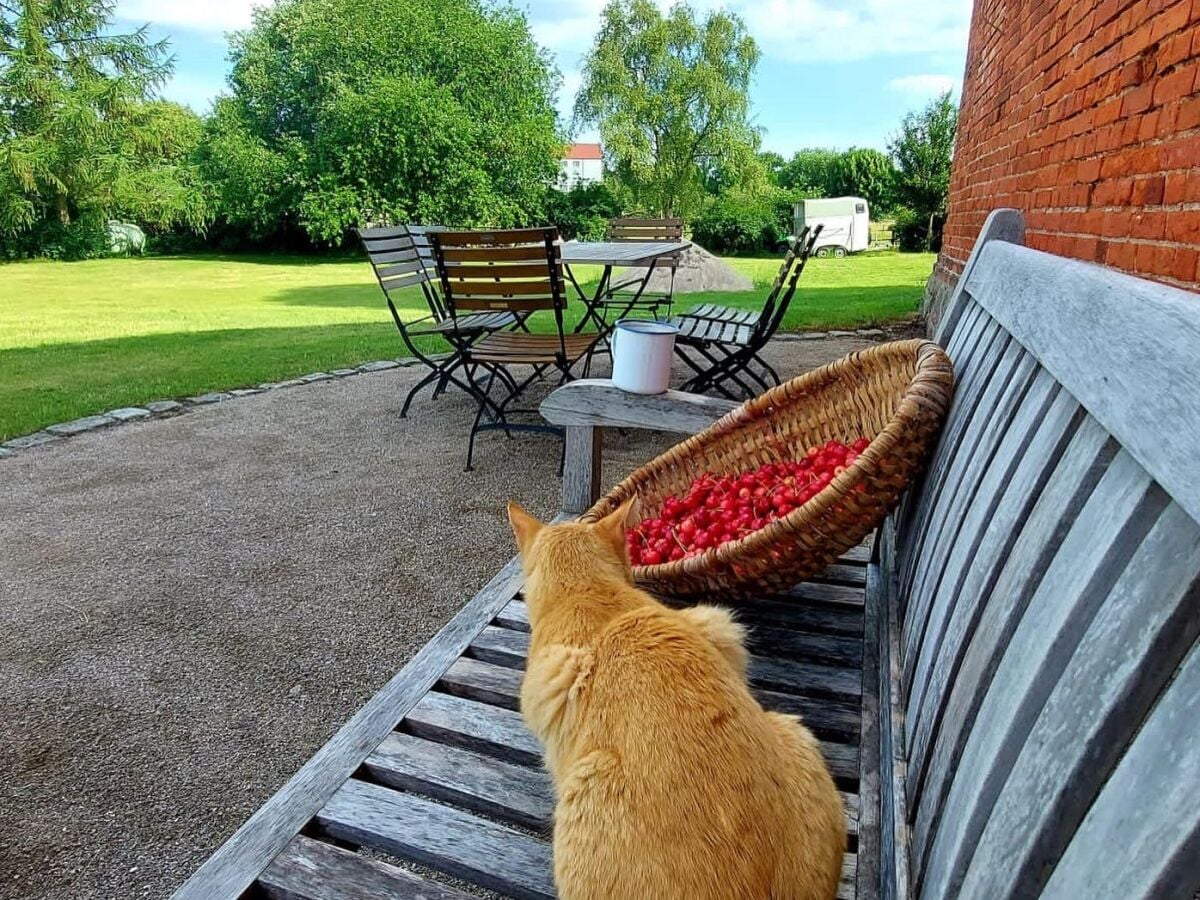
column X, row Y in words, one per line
column 1045, row 594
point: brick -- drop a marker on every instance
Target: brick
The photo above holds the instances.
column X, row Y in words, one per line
column 1173, row 85
column 1148, row 191
column 1174, row 19
column 1185, row 263
column 1137, row 100
column 1185, row 226
column 1148, row 225
column 1188, row 114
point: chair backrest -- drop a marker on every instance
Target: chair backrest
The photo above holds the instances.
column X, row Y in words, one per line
column 627, row 230
column 519, row 270
column 397, row 264
column 775, row 307
column 1046, row 609
column 420, row 236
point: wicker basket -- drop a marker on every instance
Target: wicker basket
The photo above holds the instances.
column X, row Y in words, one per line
column 897, row 394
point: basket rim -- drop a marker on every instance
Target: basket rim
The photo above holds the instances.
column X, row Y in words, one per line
column 931, row 368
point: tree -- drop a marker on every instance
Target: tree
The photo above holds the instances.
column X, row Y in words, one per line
column 811, row 172
column 400, row 110
column 78, row 137
column 923, row 151
column 669, row 95
column 863, row 172
column 773, row 165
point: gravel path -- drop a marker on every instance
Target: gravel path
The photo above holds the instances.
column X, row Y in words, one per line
column 191, row 606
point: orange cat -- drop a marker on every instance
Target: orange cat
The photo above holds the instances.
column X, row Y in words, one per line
column 672, row 782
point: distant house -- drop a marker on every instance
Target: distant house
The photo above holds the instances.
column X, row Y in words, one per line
column 583, row 164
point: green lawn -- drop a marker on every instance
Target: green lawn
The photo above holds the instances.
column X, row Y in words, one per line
column 81, row 338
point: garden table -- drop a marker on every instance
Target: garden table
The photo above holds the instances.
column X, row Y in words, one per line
column 630, row 254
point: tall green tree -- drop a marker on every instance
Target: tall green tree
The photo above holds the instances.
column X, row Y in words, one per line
column 867, row 173
column 78, row 135
column 669, row 95
column 425, row 110
column 923, row 150
column 811, row 171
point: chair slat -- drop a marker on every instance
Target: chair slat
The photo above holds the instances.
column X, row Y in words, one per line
column 480, row 271
column 519, row 253
column 383, row 232
column 448, row 840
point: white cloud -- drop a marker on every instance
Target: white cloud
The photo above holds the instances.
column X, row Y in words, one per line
column 217, row 16
column 923, row 85
column 798, row 30
column 804, row 30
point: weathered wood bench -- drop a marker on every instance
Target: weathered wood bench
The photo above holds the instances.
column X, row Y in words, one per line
column 1007, row 685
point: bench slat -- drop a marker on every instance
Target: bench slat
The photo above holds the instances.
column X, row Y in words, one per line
column 1072, row 482
column 764, row 640
column 1157, row 858
column 984, row 426
column 974, row 369
column 1026, row 399
column 1137, row 638
column 514, row 794
column 1017, row 478
column 1080, row 320
column 314, row 870
column 474, row 726
column 1118, row 514
column 506, row 647
column 448, row 840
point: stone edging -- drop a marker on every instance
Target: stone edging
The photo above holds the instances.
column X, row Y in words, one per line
column 162, row 409
column 165, row 408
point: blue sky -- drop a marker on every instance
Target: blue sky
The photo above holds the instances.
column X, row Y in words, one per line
column 833, row 73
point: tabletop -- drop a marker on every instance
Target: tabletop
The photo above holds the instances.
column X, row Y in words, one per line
column 619, row 253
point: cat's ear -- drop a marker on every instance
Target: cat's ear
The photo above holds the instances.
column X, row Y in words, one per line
column 525, row 527
column 612, row 526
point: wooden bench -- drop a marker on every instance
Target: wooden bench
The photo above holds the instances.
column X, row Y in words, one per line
column 1006, row 684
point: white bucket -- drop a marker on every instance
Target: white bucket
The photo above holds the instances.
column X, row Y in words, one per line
column 642, row 350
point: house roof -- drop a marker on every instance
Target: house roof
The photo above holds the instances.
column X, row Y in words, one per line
column 583, row 151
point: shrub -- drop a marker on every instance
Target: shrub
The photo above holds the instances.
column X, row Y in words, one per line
column 582, row 213
column 84, row 238
column 746, row 222
column 911, row 230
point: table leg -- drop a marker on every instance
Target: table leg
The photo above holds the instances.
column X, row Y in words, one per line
column 590, row 306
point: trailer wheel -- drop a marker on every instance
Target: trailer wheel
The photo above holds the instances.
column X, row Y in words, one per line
column 823, row 252
column 839, row 252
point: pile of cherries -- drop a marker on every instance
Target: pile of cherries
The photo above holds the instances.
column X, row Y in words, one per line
column 720, row 508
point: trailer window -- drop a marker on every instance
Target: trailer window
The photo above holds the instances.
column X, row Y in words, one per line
column 860, row 208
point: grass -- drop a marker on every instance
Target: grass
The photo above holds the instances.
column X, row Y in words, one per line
column 81, row 338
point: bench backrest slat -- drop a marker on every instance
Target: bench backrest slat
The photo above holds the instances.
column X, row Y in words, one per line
column 1158, row 858
column 1048, row 581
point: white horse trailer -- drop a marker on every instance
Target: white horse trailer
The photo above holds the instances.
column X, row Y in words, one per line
column 846, row 221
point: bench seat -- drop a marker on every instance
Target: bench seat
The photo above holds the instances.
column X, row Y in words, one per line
column 454, row 791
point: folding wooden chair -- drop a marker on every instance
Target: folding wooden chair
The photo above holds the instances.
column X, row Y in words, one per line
column 631, row 292
column 396, row 260
column 515, row 272
column 717, row 313
column 729, row 351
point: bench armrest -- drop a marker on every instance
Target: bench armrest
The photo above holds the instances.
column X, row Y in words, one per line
column 585, row 407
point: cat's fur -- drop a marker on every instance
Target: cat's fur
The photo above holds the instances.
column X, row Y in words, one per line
column 671, row 780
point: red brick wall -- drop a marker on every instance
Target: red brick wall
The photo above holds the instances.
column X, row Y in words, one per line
column 1085, row 114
